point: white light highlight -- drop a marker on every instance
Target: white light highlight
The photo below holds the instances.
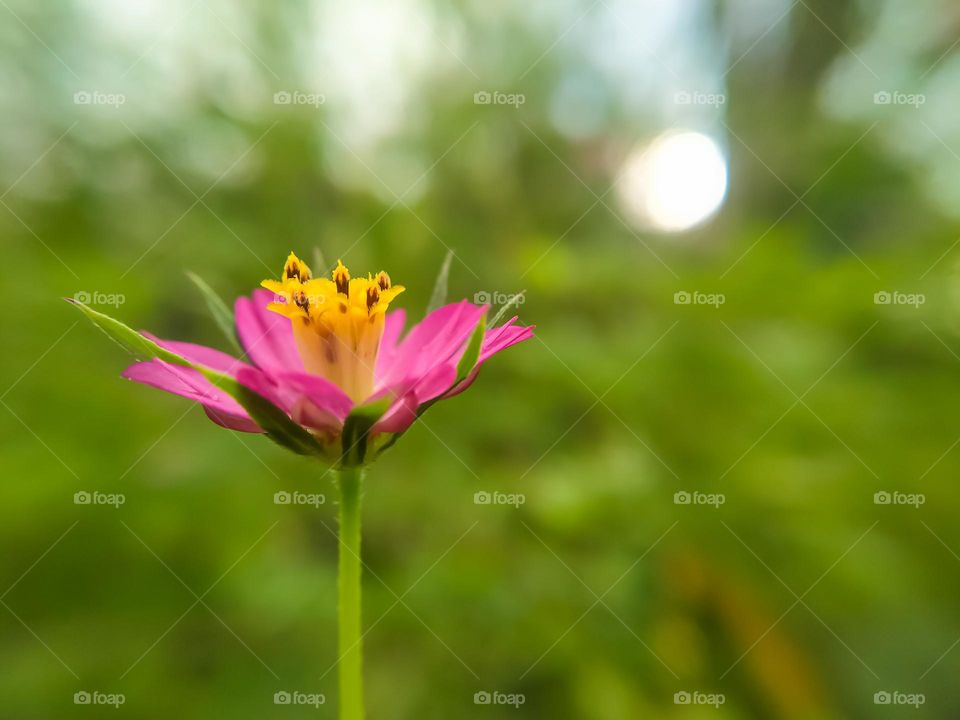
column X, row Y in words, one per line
column 675, row 183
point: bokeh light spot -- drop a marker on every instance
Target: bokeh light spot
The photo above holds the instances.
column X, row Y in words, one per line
column 675, row 183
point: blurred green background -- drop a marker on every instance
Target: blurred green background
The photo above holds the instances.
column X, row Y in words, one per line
column 816, row 365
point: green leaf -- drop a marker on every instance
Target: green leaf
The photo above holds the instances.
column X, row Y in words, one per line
column 222, row 314
column 356, row 428
column 278, row 427
column 439, row 295
column 514, row 301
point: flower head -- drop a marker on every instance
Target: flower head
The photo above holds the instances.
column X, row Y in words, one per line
column 319, row 349
column 336, row 323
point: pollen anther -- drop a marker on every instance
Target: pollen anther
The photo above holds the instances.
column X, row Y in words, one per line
column 301, row 299
column 296, row 269
column 341, row 276
column 373, row 296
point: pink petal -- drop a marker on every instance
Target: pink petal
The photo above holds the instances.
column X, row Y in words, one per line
column 403, row 411
column 200, row 354
column 392, row 327
column 310, row 400
column 438, row 339
column 189, row 383
column 435, row 383
column 247, row 375
column 313, row 400
column 255, row 379
column 399, row 417
column 502, row 337
column 305, row 413
column 266, row 336
column 497, row 339
column 232, row 422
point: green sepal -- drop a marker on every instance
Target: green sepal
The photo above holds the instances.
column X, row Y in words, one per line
column 472, row 352
column 439, row 295
column 222, row 314
column 356, row 428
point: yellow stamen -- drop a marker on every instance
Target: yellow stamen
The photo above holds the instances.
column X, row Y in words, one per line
column 336, row 323
column 341, row 276
column 296, row 269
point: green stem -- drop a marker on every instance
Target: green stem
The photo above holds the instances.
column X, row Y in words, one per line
column 348, row 592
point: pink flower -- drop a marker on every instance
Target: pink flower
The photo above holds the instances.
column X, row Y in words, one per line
column 317, row 349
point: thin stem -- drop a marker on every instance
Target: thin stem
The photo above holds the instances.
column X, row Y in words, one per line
column 348, row 591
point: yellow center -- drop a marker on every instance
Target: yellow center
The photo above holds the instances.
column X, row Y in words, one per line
column 337, row 323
